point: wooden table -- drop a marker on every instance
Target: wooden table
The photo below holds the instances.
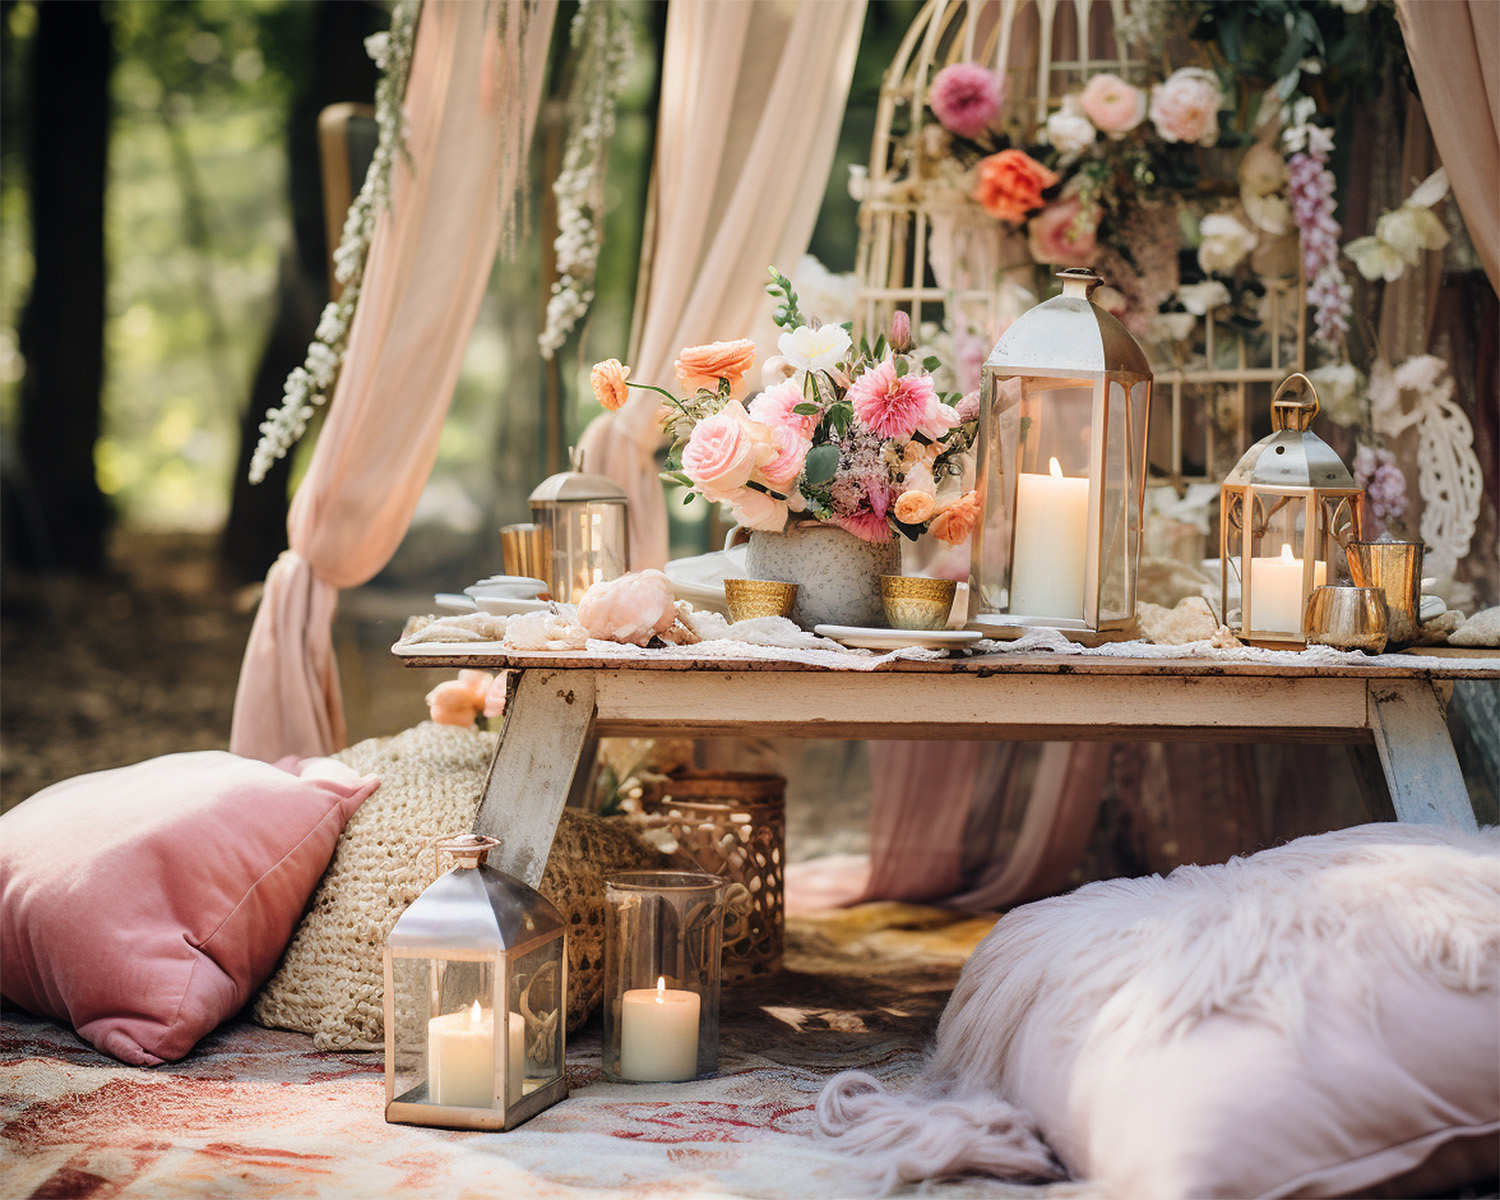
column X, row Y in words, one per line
column 557, row 701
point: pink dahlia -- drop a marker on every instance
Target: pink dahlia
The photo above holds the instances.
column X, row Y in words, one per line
column 892, row 405
column 966, row 98
column 866, row 525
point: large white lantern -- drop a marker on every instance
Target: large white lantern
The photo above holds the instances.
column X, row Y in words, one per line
column 1065, row 400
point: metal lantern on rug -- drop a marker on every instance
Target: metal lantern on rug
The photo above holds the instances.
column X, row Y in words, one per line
column 1286, row 508
column 585, row 530
column 475, row 999
column 1065, row 400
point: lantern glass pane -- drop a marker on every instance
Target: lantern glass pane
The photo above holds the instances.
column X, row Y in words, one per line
column 1123, row 477
column 1276, row 596
column 445, row 1031
column 588, row 540
column 539, row 1008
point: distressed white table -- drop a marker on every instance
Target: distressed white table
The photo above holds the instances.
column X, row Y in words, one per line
column 557, row 701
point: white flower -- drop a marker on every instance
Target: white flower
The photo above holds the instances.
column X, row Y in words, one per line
column 1175, row 326
column 1199, row 298
column 809, row 349
column 1069, row 132
column 1353, row 6
column 1269, row 212
column 1409, row 230
column 1374, row 259
column 1339, row 388
column 823, row 294
column 859, row 181
column 1225, row 243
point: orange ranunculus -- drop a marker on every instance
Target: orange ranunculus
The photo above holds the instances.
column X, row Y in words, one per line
column 957, row 521
column 914, row 507
column 608, row 378
column 1010, row 185
column 703, row 366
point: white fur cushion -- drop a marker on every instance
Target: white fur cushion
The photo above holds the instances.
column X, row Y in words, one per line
column 1313, row 1020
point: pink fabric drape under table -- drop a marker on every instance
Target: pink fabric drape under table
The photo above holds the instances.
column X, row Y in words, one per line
column 428, row 266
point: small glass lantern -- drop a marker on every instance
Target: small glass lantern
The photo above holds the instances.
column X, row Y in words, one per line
column 475, row 944
column 1285, row 509
column 1065, row 399
column 585, row 530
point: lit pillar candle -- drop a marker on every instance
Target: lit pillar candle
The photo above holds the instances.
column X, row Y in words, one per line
column 1276, row 600
column 1051, row 543
column 658, row 1033
column 461, row 1058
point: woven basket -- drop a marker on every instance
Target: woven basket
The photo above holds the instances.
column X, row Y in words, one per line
column 731, row 824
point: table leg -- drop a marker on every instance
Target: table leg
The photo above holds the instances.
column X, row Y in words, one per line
column 1427, row 786
column 549, row 718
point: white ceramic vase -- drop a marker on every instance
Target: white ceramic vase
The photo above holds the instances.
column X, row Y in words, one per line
column 837, row 574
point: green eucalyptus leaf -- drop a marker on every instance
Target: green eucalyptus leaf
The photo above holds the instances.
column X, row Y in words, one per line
column 821, row 464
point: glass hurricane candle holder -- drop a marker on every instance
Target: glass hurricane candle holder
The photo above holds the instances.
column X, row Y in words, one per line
column 662, row 935
column 585, row 527
column 477, row 942
column 1065, row 400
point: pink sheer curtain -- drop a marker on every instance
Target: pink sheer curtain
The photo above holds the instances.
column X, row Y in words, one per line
column 753, row 95
column 428, row 266
column 1454, row 46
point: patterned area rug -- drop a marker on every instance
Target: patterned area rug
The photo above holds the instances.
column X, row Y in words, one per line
column 255, row 1111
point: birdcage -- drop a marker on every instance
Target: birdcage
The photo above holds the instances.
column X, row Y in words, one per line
column 926, row 245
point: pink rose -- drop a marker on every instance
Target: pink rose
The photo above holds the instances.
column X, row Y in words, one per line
column 965, row 98
column 1185, row 108
column 781, row 472
column 756, row 510
column 720, row 454
column 775, row 405
column 1063, row 234
column 1113, row 105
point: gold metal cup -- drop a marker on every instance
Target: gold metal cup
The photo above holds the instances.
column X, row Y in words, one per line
column 915, row 602
column 524, row 550
column 750, row 598
column 1347, row 618
column 1395, row 568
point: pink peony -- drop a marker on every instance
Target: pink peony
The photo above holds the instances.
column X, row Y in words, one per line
column 965, row 98
column 719, row 455
column 1185, row 108
column 891, row 405
column 781, row 472
column 756, row 510
column 1113, row 105
column 1064, row 234
column 774, row 407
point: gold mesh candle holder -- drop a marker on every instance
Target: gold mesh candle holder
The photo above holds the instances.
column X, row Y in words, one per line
column 732, row 824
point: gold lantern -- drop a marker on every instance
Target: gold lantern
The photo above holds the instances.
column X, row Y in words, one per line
column 1065, row 400
column 585, row 530
column 1284, row 510
column 476, row 984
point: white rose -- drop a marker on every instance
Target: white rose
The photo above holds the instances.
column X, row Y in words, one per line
column 1225, row 243
column 1069, row 132
column 756, row 510
column 1199, row 298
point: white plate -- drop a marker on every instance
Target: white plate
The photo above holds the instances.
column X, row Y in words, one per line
column 499, row 606
column 867, row 637
column 507, row 585
column 700, row 580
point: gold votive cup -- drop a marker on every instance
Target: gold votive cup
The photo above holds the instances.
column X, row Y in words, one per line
column 524, row 550
column 750, row 598
column 1395, row 568
column 916, row 602
column 1347, row 618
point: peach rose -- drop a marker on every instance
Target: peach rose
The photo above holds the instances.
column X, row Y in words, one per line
column 912, row 508
column 608, row 378
column 452, row 703
column 1185, row 108
column 1064, row 234
column 957, row 521
column 756, row 510
column 1112, row 104
column 1010, row 185
column 780, row 472
column 703, row 366
column 721, row 453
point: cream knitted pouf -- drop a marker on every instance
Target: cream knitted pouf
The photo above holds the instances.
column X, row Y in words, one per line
column 329, row 982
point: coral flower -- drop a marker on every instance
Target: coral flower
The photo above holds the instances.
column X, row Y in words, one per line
column 1064, row 234
column 912, row 508
column 965, row 98
column 703, row 366
column 608, row 378
column 892, row 405
column 1010, row 185
column 1112, row 104
column 957, row 521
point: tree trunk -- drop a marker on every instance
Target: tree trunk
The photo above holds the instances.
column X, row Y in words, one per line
column 336, row 69
column 56, row 516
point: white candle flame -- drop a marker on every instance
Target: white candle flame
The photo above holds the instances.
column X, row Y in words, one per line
column 1055, row 468
column 474, row 1014
column 1286, row 553
column 661, row 989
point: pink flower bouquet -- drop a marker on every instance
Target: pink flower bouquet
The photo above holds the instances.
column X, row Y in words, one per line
column 858, row 436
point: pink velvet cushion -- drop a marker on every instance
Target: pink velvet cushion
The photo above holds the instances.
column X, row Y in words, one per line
column 145, row 904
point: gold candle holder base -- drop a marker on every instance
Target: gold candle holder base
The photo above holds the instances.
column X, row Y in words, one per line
column 751, row 598
column 915, row 602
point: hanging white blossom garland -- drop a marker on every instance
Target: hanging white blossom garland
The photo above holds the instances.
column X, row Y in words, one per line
column 312, row 382
column 600, row 37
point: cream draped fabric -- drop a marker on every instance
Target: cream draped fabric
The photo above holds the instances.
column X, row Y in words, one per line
column 753, row 95
column 1454, row 46
column 471, row 103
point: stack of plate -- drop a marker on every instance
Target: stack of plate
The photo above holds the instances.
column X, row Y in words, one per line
column 502, row 595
